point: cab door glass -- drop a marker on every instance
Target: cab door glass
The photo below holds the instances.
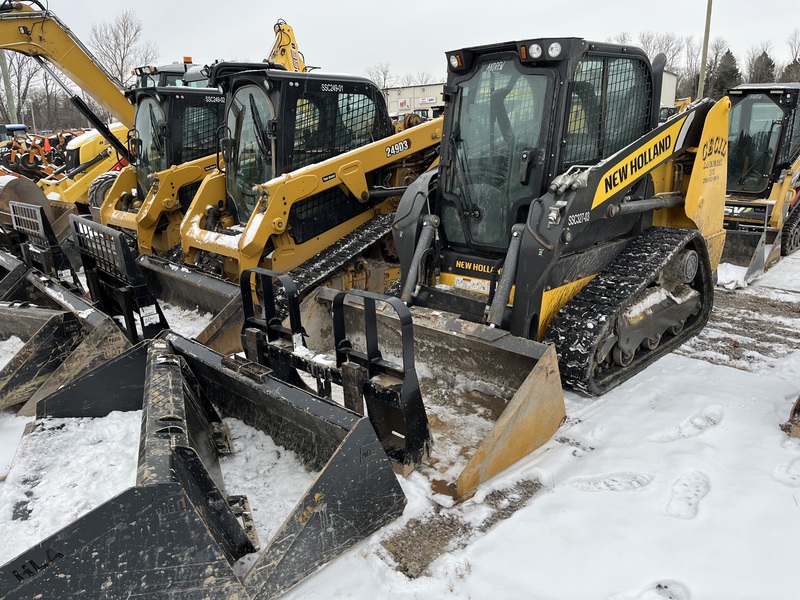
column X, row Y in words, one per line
column 249, row 116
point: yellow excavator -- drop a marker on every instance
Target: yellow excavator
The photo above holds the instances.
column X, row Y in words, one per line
column 762, row 212
column 30, row 29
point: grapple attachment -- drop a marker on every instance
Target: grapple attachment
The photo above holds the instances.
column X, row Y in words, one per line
column 122, row 283
column 115, row 283
column 177, row 533
column 390, row 389
column 40, row 245
column 490, row 398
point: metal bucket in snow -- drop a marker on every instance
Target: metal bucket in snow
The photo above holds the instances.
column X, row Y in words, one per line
column 176, row 532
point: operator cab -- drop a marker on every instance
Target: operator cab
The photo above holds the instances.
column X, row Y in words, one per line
column 278, row 121
column 173, row 125
column 764, row 134
column 521, row 113
column 180, row 74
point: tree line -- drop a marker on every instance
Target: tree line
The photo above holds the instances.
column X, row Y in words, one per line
column 39, row 98
column 684, row 55
column 723, row 70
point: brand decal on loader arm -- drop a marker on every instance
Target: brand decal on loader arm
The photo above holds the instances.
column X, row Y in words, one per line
column 631, row 167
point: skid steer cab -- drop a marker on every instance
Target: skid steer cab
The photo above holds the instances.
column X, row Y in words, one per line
column 761, row 213
column 172, row 148
column 566, row 238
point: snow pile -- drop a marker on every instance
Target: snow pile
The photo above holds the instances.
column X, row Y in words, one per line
column 273, row 478
column 186, row 322
column 62, row 470
column 8, row 348
column 731, row 276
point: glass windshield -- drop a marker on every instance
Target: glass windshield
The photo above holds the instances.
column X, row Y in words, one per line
column 251, row 158
column 755, row 126
column 498, row 132
column 149, row 128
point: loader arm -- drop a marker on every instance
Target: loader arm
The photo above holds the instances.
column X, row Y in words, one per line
column 162, row 199
column 276, row 197
column 40, row 33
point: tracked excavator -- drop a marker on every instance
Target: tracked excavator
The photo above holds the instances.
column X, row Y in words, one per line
column 761, row 213
column 566, row 239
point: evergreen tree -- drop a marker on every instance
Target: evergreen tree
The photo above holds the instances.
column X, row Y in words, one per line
column 791, row 73
column 722, row 76
column 763, row 69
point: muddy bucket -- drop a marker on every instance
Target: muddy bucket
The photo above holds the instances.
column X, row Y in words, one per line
column 490, row 398
column 176, row 525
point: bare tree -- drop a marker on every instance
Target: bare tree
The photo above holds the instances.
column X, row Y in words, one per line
column 623, row 38
column 119, row 46
column 423, row 77
column 405, row 80
column 689, row 73
column 22, row 71
column 794, row 45
column 382, row 75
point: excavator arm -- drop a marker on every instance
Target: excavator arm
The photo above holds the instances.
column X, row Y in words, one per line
column 41, row 34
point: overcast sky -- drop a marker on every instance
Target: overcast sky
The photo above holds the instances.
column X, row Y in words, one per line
column 350, row 36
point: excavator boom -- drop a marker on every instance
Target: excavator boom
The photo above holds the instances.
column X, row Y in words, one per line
column 41, row 34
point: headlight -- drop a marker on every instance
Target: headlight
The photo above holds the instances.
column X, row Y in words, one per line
column 454, row 61
column 554, row 50
column 534, row 51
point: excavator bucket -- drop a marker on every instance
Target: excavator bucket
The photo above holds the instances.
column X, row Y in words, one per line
column 756, row 247
column 177, row 528
column 61, row 335
column 489, row 398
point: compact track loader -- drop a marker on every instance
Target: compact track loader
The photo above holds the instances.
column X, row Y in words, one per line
column 564, row 233
column 175, row 145
column 341, row 170
column 761, row 213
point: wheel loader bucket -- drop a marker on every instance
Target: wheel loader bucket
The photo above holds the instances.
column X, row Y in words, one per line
column 490, row 398
column 175, row 530
column 756, row 251
column 63, row 335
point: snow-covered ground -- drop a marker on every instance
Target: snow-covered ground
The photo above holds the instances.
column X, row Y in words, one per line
column 677, row 484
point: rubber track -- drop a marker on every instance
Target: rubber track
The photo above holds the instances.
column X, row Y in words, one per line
column 792, row 222
column 579, row 327
column 337, row 255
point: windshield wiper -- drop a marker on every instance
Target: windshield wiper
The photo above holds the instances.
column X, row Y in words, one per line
column 463, row 202
column 156, row 136
column 261, row 139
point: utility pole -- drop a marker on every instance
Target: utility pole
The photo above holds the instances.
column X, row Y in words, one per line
column 701, row 83
column 13, row 117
